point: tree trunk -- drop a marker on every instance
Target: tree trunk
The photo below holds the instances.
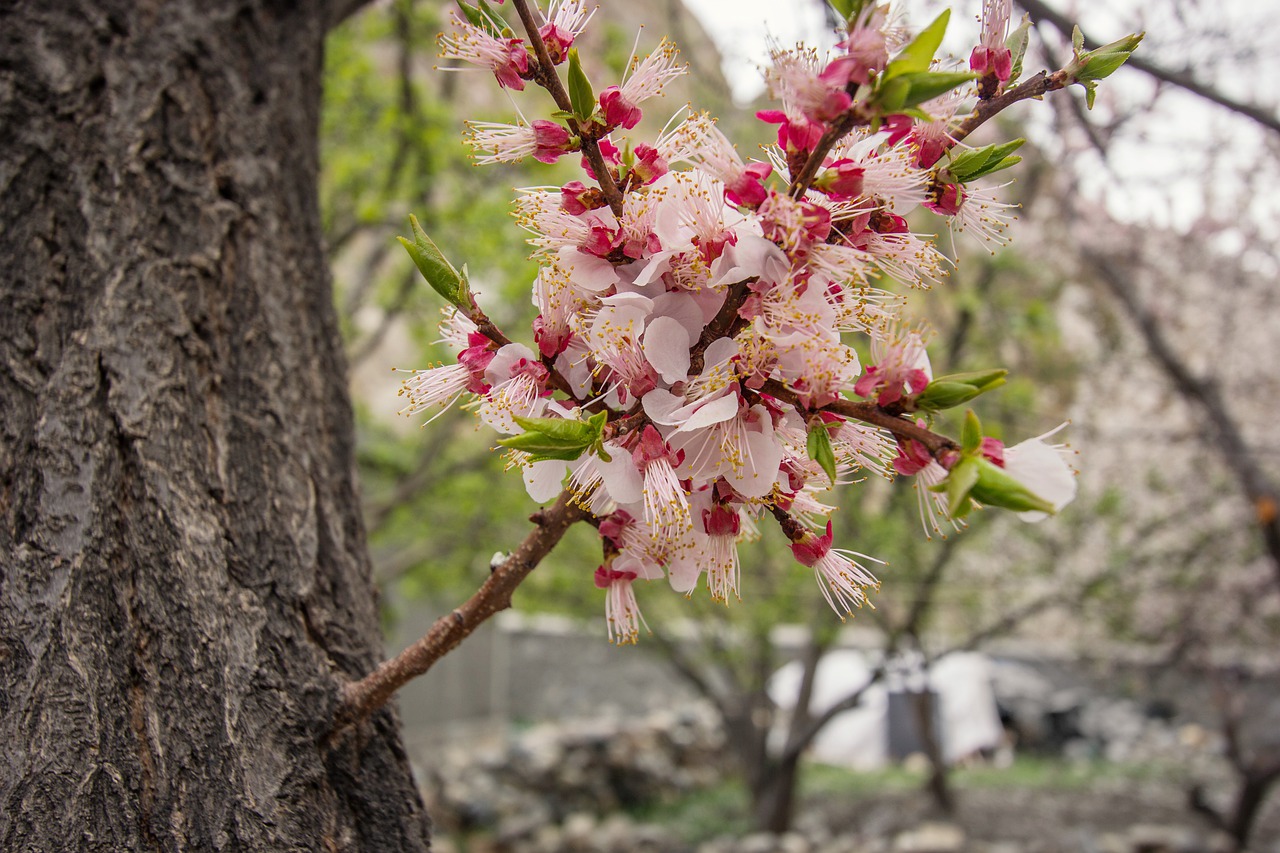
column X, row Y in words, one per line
column 923, row 703
column 773, row 796
column 183, row 576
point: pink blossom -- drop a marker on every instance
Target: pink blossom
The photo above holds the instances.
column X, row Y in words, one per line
column 577, row 198
column 618, row 111
column 649, row 165
column 947, row 199
column 842, row 180
column 991, row 56
column 747, row 188
column 843, row 580
column 551, row 141
column 565, row 21
column 901, row 367
column 506, row 58
column 796, row 133
column 621, row 610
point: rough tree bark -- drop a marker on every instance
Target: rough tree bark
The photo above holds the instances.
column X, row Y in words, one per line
column 183, row 575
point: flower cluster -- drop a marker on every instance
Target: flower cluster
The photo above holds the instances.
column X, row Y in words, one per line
column 689, row 374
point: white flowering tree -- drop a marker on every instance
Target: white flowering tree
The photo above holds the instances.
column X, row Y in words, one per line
column 691, row 377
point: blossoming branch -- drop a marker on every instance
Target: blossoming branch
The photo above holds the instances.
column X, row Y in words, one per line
column 689, row 377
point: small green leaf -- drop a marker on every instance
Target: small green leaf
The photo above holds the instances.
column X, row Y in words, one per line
column 927, row 85
column 971, row 434
column 846, row 9
column 476, row 18
column 983, row 380
column 565, row 429
column 1103, row 62
column 1017, row 44
column 961, row 479
column 436, row 269
column 498, row 21
column 1077, row 40
column 819, row 448
column 940, row 395
column 919, row 54
column 892, row 95
column 995, row 487
column 541, row 446
column 977, row 162
column 580, row 93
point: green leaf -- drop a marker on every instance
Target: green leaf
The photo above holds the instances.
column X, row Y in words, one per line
column 918, row 55
column 940, row 395
column 892, row 95
column 559, row 438
column 1103, row 62
column 977, row 162
column 1077, row 40
column 1017, row 44
column 541, row 446
column 480, row 20
column 498, row 21
column 565, row 429
column 846, row 9
column 963, row 477
column 580, row 93
column 436, row 269
column 983, row 380
column 971, row 434
column 819, row 448
column 927, row 85
column 995, row 487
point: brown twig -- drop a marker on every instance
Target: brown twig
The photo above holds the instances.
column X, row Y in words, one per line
column 361, row 698
column 839, row 129
column 548, row 79
column 1035, row 87
column 872, row 414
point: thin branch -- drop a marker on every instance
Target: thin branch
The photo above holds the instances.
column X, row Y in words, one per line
column 550, row 80
column 1035, row 87
column 361, row 698
column 870, row 413
column 1182, row 79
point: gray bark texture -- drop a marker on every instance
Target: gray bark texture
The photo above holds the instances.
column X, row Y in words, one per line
column 183, row 574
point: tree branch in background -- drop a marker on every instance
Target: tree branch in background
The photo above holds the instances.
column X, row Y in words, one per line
column 1182, row 79
column 1116, row 275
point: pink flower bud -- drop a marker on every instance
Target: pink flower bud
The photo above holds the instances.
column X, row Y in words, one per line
column 720, row 520
column 558, row 41
column 618, row 111
column 649, row 165
column 842, row 180
column 810, row 548
column 551, row 141
column 747, row 189
column 947, row 199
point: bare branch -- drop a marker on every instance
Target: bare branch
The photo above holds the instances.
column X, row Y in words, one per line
column 1200, row 393
column 361, row 698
